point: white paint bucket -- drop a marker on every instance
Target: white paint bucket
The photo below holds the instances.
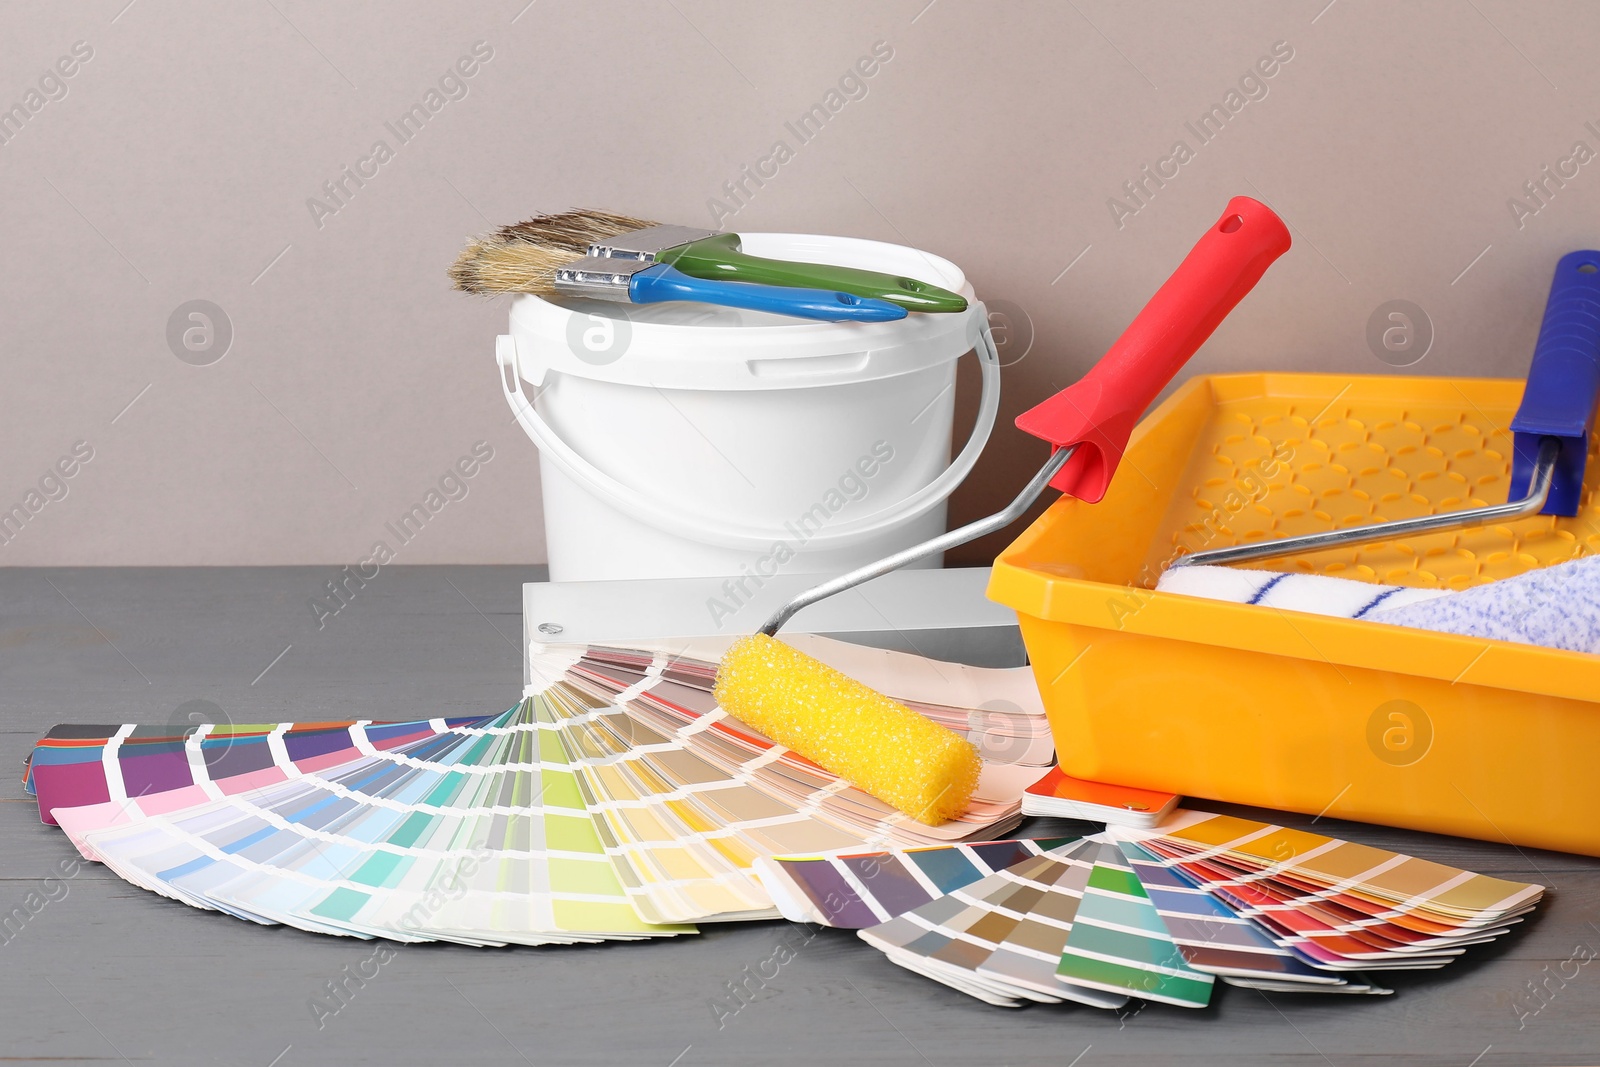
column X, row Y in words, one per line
column 684, row 440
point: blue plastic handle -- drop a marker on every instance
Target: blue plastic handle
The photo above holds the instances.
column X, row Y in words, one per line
column 667, row 283
column 1563, row 382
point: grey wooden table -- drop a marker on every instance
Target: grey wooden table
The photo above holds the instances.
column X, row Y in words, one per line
column 102, row 971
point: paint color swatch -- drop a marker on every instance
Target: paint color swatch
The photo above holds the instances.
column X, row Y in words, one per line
column 852, row 891
column 476, row 835
column 1062, row 796
column 1159, row 915
column 1120, row 944
column 1000, row 939
column 1214, row 939
column 615, row 801
column 1385, row 883
column 76, row 765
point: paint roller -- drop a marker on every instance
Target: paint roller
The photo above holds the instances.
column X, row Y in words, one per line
column 885, row 748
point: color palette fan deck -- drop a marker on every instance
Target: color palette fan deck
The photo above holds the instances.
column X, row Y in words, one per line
column 614, row 801
column 1161, row 914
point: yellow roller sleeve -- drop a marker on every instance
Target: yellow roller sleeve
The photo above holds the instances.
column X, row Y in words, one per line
column 872, row 742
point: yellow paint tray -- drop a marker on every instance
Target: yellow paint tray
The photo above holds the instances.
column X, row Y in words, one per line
column 1355, row 719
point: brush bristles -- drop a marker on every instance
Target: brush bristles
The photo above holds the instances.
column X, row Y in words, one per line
column 491, row 264
column 572, row 231
column 523, row 258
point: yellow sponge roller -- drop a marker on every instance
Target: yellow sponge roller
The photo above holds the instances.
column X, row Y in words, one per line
column 870, row 741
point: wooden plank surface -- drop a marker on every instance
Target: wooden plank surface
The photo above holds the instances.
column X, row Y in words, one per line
column 105, row 972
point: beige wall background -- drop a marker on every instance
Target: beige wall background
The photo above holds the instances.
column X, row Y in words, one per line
column 176, row 162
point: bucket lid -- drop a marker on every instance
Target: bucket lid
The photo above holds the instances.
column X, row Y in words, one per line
column 681, row 345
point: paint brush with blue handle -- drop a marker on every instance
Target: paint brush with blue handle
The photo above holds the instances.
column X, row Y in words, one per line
column 496, row 264
column 644, row 282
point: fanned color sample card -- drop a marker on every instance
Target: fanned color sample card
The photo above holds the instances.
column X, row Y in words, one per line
column 472, row 833
column 1161, row 914
column 615, row 801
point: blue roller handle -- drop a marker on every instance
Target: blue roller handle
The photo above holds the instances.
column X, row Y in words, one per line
column 1563, row 381
column 667, row 283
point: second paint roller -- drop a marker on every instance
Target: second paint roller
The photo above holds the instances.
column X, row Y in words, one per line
column 1551, row 428
column 863, row 736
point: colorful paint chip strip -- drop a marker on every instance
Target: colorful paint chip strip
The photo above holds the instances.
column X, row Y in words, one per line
column 856, row 890
column 1118, row 942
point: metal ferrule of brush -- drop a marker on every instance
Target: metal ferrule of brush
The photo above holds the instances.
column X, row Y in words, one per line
column 645, row 244
column 599, row 279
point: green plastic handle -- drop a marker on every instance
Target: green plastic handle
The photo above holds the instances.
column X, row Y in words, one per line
column 722, row 257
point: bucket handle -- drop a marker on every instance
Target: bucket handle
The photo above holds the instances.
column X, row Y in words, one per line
column 694, row 527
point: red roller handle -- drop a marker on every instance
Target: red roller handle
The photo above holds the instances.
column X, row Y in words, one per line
column 1098, row 412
